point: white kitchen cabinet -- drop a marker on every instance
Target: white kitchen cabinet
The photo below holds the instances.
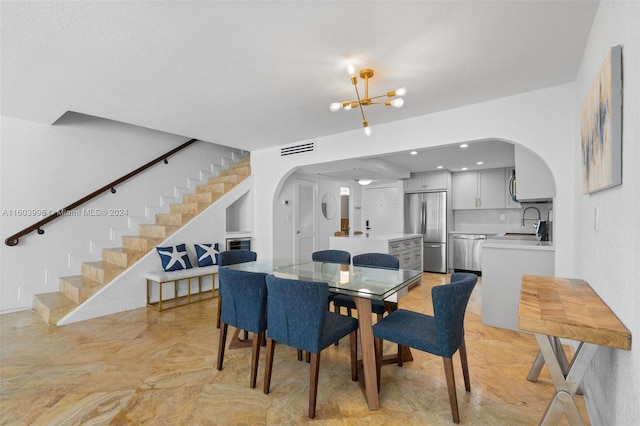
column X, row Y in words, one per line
column 533, row 177
column 481, row 189
column 427, row 181
column 503, row 264
column 406, row 247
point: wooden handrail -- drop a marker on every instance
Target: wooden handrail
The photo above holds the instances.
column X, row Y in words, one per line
column 15, row 238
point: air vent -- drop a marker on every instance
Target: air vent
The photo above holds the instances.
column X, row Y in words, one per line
column 298, row 149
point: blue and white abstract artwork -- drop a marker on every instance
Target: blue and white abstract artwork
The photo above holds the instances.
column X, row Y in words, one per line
column 601, row 127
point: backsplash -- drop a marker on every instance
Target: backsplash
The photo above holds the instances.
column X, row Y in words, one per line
column 489, row 221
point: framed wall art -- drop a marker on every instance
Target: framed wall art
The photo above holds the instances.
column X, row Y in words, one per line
column 601, row 127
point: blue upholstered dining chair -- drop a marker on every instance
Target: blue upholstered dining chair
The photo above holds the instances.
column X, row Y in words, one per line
column 332, row 256
column 372, row 260
column 441, row 334
column 245, row 307
column 231, row 257
column 298, row 317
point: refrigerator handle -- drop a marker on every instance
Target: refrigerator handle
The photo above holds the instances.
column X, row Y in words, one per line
column 423, row 218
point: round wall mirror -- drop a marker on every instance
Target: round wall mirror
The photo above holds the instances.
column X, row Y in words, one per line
column 329, row 206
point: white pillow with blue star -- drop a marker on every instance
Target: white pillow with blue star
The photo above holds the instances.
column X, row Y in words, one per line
column 207, row 254
column 174, row 258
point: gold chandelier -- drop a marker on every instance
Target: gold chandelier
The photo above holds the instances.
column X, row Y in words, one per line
column 367, row 100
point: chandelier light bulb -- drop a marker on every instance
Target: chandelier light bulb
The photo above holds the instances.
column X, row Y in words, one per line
column 397, row 102
column 347, row 107
column 335, row 106
column 350, row 69
column 401, row 91
column 367, row 131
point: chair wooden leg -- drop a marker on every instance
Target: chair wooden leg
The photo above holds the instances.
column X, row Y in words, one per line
column 299, row 354
column 255, row 357
column 379, row 343
column 222, row 341
column 400, row 355
column 451, row 386
column 219, row 311
column 465, row 366
column 313, row 383
column 268, row 365
column 336, row 309
column 353, row 344
column 308, row 357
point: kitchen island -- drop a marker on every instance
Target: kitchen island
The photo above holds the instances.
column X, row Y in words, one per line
column 505, row 259
column 406, row 247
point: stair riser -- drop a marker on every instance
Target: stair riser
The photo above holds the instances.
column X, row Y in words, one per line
column 189, row 208
column 232, row 178
column 77, row 290
column 157, row 231
column 103, row 276
column 216, row 187
column 121, row 259
column 241, row 171
column 50, row 315
column 139, row 243
column 176, row 219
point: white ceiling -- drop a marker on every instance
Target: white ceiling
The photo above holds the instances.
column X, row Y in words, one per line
column 256, row 74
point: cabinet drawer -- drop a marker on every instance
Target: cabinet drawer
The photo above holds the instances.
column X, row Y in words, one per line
column 401, row 245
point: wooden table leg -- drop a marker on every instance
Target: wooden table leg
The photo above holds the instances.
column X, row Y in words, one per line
column 368, row 352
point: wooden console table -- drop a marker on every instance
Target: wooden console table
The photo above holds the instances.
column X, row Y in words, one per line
column 554, row 308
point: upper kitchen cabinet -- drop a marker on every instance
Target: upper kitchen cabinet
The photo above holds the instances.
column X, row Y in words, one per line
column 481, row 189
column 534, row 181
column 428, row 181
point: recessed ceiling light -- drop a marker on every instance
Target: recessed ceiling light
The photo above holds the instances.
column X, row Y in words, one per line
column 464, row 145
column 439, row 167
column 464, row 168
column 414, row 153
column 480, row 162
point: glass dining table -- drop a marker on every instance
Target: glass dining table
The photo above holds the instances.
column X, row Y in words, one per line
column 364, row 284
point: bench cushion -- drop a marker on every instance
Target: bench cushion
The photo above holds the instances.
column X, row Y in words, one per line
column 165, row 276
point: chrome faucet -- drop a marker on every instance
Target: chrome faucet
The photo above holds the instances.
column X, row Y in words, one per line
column 525, row 212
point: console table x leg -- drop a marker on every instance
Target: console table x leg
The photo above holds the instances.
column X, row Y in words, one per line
column 563, row 401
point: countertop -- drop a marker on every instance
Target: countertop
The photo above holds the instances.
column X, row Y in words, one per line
column 385, row 237
column 501, row 242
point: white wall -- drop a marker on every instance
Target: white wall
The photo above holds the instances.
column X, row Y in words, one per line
column 543, row 121
column 609, row 258
column 546, row 122
column 48, row 167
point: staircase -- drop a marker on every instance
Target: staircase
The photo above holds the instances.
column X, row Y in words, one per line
column 74, row 290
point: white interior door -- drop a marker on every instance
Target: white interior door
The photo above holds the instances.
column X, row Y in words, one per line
column 382, row 210
column 304, row 218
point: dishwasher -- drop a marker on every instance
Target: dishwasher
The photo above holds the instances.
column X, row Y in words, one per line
column 467, row 252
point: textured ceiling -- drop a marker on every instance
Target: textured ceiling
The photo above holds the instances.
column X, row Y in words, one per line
column 255, row 74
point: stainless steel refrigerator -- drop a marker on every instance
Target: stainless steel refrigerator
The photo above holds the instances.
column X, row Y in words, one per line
column 426, row 213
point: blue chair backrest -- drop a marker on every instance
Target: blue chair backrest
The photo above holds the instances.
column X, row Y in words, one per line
column 231, row 257
column 297, row 312
column 449, row 306
column 245, row 299
column 377, row 260
column 332, row 256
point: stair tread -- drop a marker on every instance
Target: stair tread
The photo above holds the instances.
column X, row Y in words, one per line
column 124, row 250
column 55, row 300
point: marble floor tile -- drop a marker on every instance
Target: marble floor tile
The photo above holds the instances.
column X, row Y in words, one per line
column 159, row 368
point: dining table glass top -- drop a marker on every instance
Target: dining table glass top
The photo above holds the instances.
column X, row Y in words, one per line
column 357, row 281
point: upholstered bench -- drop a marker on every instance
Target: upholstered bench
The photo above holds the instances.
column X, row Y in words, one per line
column 162, row 277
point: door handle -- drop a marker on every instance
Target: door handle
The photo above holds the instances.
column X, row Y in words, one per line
column 297, row 232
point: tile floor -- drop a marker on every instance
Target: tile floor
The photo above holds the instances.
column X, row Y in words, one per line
column 145, row 367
